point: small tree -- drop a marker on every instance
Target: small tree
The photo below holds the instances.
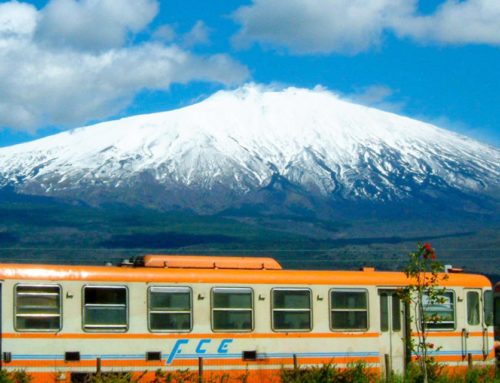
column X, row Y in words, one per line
column 424, row 272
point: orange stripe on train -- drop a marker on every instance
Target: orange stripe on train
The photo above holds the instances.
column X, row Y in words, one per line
column 106, row 363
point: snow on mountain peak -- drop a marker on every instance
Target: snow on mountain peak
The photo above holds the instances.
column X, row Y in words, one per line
column 241, row 140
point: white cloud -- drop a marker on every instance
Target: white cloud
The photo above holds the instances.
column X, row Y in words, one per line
column 377, row 96
column 455, row 22
column 199, row 34
column 316, row 26
column 93, row 24
column 165, row 33
column 353, row 26
column 46, row 82
column 17, row 19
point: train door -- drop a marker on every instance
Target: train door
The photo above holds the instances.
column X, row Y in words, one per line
column 392, row 329
column 496, row 311
column 472, row 335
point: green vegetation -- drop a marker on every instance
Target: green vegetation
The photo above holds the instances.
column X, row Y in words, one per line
column 180, row 376
column 15, row 377
column 354, row 373
column 328, row 373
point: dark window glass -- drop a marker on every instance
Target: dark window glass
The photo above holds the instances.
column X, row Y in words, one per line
column 349, row 300
column 105, row 295
column 473, row 308
column 37, row 308
column 488, row 308
column 292, row 299
column 105, row 316
column 105, row 308
column 396, row 313
column 384, row 312
column 232, row 309
column 497, row 312
column 349, row 309
column 170, row 308
column 292, row 309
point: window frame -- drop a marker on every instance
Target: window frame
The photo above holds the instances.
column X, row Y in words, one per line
column 367, row 310
column 455, row 319
column 173, row 288
column 106, row 328
column 60, row 307
column 478, row 311
column 273, row 309
column 213, row 308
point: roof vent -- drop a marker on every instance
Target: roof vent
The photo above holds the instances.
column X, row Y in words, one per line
column 127, row 263
column 450, row 269
column 208, row 262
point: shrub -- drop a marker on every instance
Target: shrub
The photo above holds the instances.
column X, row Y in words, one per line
column 328, row 373
column 437, row 374
column 15, row 377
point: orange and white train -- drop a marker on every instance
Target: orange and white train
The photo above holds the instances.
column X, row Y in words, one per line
column 227, row 315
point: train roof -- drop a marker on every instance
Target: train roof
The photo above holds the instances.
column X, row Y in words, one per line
column 203, row 269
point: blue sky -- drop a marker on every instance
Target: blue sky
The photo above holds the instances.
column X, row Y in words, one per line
column 68, row 63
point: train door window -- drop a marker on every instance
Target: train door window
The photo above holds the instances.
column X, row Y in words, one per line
column 439, row 311
column 291, row 310
column 473, row 308
column 396, row 313
column 105, row 308
column 232, row 309
column 37, row 308
column 349, row 309
column 390, row 303
column 488, row 308
column 496, row 315
column 384, row 312
column 170, row 309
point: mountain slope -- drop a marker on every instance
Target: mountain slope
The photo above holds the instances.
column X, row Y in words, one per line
column 297, row 148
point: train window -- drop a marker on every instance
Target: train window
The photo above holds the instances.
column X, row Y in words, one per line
column 232, row 309
column 439, row 313
column 105, row 308
column 349, row 309
column 473, row 308
column 488, row 308
column 291, row 310
column 384, row 312
column 396, row 313
column 390, row 303
column 496, row 315
column 37, row 308
column 170, row 308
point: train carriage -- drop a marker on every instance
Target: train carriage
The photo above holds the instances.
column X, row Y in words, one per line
column 231, row 315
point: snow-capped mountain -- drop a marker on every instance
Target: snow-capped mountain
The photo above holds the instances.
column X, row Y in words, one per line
column 237, row 146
